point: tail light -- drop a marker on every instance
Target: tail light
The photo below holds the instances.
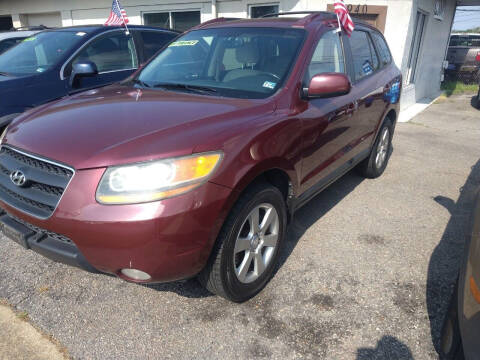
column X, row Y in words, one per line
column 477, row 58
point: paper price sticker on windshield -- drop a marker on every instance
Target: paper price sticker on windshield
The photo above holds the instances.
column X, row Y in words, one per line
column 269, row 85
column 29, row 39
column 184, row 43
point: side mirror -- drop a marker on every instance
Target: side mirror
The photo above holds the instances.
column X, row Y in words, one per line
column 327, row 85
column 82, row 69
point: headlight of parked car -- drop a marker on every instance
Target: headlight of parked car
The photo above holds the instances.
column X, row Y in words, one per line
column 155, row 180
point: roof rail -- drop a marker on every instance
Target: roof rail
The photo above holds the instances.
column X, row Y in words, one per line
column 31, row 28
column 213, row 21
column 312, row 15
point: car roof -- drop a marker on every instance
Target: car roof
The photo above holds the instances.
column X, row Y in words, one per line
column 96, row 29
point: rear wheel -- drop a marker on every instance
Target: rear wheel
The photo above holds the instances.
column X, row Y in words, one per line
column 247, row 249
column 374, row 166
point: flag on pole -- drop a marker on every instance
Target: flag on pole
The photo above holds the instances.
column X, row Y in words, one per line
column 118, row 15
column 343, row 17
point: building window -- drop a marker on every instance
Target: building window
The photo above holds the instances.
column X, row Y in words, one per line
column 177, row 20
column 257, row 11
column 439, row 9
column 415, row 47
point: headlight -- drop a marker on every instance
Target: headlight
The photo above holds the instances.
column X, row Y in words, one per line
column 155, row 180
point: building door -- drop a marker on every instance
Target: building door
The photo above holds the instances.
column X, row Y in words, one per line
column 177, row 20
column 5, row 23
column 53, row 19
column 415, row 47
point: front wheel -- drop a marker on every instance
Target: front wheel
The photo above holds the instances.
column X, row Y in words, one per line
column 374, row 165
column 450, row 341
column 248, row 246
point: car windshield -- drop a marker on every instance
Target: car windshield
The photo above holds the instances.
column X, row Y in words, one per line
column 231, row 62
column 38, row 53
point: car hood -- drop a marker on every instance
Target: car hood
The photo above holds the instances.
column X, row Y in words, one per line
column 119, row 124
column 7, row 81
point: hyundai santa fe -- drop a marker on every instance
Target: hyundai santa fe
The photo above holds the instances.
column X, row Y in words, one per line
column 195, row 164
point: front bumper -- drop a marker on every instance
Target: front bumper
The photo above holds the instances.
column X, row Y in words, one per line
column 169, row 239
column 53, row 246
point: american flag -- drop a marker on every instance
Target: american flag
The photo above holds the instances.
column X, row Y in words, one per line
column 118, row 15
column 343, row 17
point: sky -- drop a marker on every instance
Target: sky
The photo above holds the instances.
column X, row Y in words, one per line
column 467, row 19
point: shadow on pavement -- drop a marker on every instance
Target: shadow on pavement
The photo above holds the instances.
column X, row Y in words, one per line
column 188, row 288
column 388, row 347
column 317, row 208
column 447, row 256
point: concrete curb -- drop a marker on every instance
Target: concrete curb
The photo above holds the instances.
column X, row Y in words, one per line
column 20, row 340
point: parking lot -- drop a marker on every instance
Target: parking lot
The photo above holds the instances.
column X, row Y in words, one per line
column 366, row 273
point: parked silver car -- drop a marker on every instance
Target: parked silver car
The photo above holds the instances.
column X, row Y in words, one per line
column 463, row 56
column 12, row 38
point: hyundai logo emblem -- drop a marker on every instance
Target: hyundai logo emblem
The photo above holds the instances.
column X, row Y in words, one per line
column 18, row 178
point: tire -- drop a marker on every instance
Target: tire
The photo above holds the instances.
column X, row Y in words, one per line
column 450, row 341
column 370, row 167
column 224, row 274
column 478, row 97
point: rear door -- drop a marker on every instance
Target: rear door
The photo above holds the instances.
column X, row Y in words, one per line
column 368, row 87
column 113, row 53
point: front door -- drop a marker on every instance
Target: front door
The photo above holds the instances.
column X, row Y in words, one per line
column 114, row 55
column 329, row 123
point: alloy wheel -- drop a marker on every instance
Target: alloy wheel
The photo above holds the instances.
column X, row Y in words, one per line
column 382, row 148
column 255, row 243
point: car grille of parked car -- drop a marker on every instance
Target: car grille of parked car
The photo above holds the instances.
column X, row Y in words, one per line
column 43, row 186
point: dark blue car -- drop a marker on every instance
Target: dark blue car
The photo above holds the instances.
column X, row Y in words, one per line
column 55, row 63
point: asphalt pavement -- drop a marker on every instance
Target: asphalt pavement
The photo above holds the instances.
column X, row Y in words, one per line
column 367, row 271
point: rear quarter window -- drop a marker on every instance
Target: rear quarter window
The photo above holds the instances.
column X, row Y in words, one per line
column 382, row 48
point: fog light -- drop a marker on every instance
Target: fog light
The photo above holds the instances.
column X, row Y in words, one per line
column 135, row 274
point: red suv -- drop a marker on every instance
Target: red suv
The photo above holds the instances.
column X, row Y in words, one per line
column 195, row 164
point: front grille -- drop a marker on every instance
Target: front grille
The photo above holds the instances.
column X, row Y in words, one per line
column 45, row 182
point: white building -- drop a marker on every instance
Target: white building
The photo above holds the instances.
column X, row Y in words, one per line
column 416, row 30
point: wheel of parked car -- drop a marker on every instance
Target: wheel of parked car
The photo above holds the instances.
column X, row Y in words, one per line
column 374, row 166
column 451, row 343
column 248, row 246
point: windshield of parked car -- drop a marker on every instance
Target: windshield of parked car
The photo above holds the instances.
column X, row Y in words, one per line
column 38, row 53
column 232, row 62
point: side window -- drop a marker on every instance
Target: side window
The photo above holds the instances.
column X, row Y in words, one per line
column 381, row 45
column 111, row 52
column 328, row 56
column 154, row 41
column 365, row 60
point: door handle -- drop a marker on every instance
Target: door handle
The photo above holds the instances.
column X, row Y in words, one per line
column 352, row 107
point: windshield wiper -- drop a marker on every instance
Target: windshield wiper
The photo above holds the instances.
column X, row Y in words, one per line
column 4, row 73
column 140, row 82
column 194, row 88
